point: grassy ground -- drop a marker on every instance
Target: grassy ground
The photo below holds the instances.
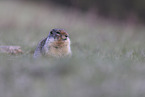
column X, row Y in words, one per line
column 108, row 57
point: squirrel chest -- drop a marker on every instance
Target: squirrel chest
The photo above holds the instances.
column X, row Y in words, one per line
column 56, row 48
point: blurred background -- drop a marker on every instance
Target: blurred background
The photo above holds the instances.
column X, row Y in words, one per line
column 107, row 41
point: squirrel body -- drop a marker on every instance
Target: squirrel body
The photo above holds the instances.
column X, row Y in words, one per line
column 57, row 44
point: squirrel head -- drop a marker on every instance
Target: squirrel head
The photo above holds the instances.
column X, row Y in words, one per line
column 58, row 34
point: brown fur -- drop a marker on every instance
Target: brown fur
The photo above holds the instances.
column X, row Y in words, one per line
column 58, row 47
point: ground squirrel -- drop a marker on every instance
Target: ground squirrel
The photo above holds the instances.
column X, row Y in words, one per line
column 57, row 44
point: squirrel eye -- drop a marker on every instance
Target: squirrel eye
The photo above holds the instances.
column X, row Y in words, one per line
column 66, row 35
column 51, row 32
column 58, row 32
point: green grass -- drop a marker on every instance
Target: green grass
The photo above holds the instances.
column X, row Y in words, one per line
column 108, row 57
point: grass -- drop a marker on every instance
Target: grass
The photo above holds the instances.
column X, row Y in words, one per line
column 107, row 61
